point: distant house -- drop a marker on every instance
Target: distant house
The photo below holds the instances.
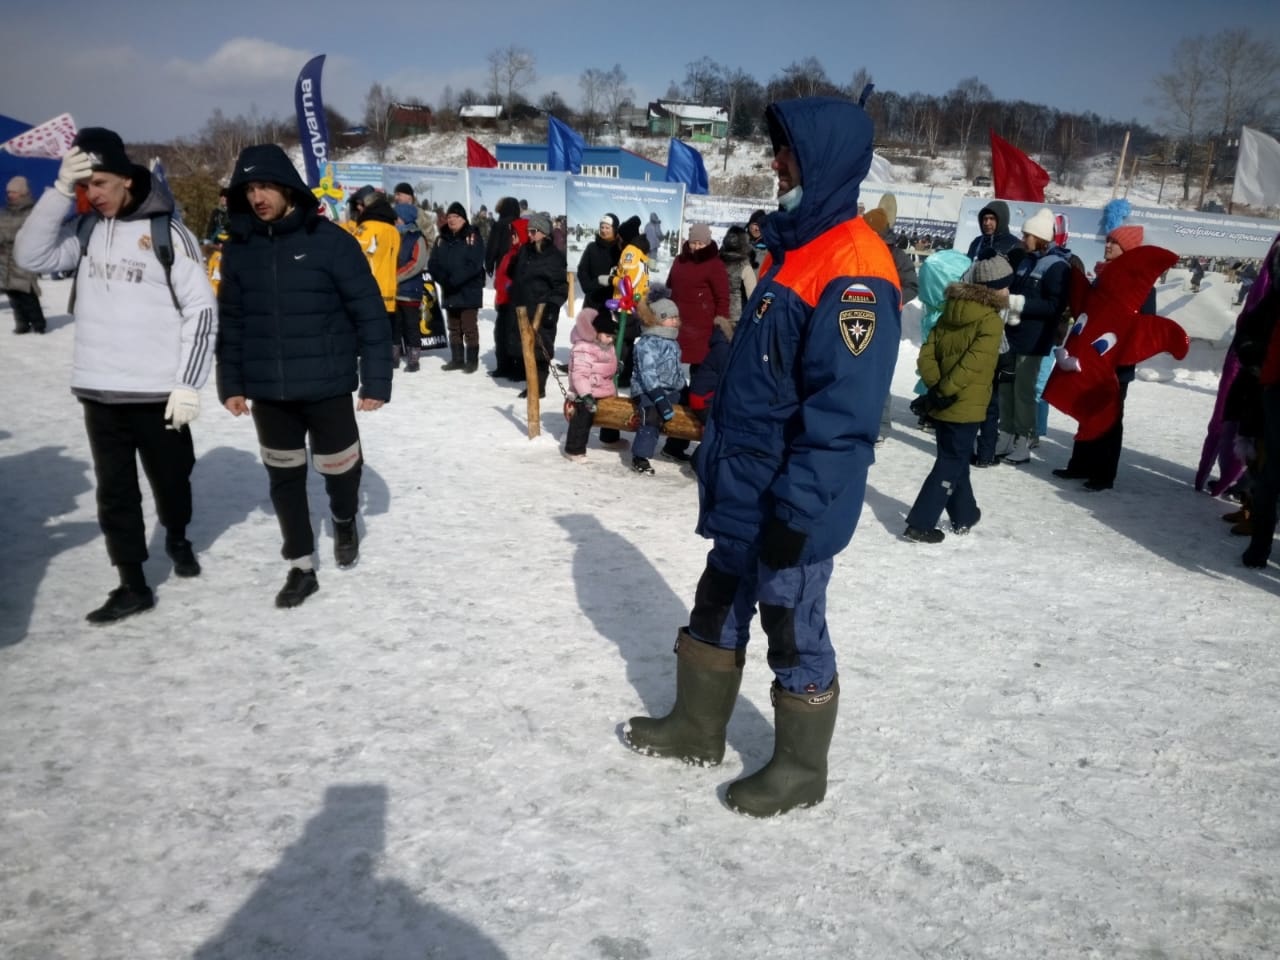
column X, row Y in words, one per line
column 480, row 115
column 596, row 161
column 674, row 118
column 408, row 119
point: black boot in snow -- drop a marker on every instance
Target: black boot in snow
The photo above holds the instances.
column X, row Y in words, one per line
column 299, row 585
column 455, row 356
column 707, row 682
column 471, row 360
column 796, row 775
column 184, row 559
column 346, row 542
column 123, row 601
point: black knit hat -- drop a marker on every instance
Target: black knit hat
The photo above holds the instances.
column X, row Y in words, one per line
column 457, row 208
column 605, row 323
column 403, row 188
column 105, row 149
column 630, row 229
column 611, row 219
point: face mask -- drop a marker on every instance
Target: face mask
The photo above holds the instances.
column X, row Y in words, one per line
column 791, row 199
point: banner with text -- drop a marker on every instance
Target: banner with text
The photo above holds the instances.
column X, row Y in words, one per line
column 658, row 205
column 434, row 187
column 338, row 181
column 537, row 190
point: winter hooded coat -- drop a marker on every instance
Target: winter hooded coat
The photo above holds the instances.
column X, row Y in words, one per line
column 591, row 364
column 1002, row 241
column 959, row 357
column 301, row 314
column 795, row 417
column 457, row 264
column 699, row 284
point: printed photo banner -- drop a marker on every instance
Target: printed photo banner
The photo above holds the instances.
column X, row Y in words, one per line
column 925, row 213
column 721, row 213
column 659, row 206
column 1185, row 232
column 539, row 191
column 338, row 181
column 436, row 187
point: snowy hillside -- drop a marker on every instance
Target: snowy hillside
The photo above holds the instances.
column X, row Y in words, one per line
column 1056, row 737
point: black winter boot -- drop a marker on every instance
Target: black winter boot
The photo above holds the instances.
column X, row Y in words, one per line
column 471, row 362
column 455, row 356
column 299, row 585
column 184, row 559
column 707, row 682
column 346, row 542
column 796, row 775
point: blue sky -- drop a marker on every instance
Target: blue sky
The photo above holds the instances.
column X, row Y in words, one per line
column 157, row 70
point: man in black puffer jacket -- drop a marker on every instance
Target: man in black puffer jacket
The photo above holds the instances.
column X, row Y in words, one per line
column 302, row 326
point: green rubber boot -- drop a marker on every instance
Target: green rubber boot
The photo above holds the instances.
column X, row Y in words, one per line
column 796, row 775
column 707, row 682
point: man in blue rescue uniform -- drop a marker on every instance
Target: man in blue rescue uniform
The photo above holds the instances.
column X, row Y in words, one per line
column 783, row 464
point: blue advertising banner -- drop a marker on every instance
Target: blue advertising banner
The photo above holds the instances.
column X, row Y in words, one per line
column 658, row 206
column 433, row 187
column 313, row 130
column 537, row 190
column 338, row 181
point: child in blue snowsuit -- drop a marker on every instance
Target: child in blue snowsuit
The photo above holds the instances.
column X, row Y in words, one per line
column 658, row 377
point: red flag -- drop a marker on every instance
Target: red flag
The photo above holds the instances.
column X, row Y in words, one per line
column 478, row 156
column 1015, row 175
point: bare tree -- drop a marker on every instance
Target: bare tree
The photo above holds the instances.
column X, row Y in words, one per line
column 377, row 117
column 1183, row 95
column 1246, row 74
column 510, row 69
column 966, row 102
column 554, row 103
column 674, row 92
column 591, row 82
column 802, row 78
column 702, row 80
column 615, row 95
column 861, row 77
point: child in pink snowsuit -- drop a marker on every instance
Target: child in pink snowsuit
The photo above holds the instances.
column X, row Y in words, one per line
column 592, row 364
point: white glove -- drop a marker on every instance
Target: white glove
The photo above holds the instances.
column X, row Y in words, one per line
column 76, row 166
column 182, row 408
column 604, row 279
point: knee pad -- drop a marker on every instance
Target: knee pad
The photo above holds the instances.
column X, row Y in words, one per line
column 332, row 464
column 780, row 627
column 283, row 459
column 712, row 602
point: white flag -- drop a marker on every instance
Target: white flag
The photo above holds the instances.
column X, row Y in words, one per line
column 881, row 171
column 51, row 139
column 1257, row 170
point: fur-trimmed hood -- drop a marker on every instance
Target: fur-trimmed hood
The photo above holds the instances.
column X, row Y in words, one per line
column 977, row 293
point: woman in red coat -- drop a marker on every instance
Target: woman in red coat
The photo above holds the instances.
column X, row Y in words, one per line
column 699, row 284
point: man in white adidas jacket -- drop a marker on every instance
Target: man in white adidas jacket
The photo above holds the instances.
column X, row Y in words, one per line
column 143, row 349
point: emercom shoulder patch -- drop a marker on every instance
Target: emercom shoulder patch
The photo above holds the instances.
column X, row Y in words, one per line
column 857, row 327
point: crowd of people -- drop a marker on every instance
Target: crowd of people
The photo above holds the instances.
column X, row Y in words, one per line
column 781, row 339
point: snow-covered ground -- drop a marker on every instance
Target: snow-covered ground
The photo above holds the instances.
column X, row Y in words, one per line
column 1056, row 739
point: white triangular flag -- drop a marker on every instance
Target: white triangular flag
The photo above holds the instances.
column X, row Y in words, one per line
column 51, row 139
column 1257, row 170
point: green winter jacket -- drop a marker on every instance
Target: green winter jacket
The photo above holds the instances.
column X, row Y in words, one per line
column 959, row 356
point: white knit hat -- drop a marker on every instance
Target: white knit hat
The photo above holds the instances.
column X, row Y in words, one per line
column 1040, row 224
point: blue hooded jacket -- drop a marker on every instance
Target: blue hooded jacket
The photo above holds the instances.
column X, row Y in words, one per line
column 301, row 316
column 794, row 421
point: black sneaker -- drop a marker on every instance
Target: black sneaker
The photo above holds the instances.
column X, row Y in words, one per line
column 123, row 602
column 299, row 585
column 676, row 454
column 1066, row 473
column 916, row 535
column 184, row 559
column 346, row 542
column 641, row 465
column 1094, row 486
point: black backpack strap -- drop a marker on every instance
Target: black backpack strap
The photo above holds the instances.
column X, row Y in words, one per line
column 84, row 230
column 162, row 247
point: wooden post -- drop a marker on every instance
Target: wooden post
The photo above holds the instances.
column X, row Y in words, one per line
column 572, row 278
column 528, row 332
column 1124, row 150
column 1133, row 172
